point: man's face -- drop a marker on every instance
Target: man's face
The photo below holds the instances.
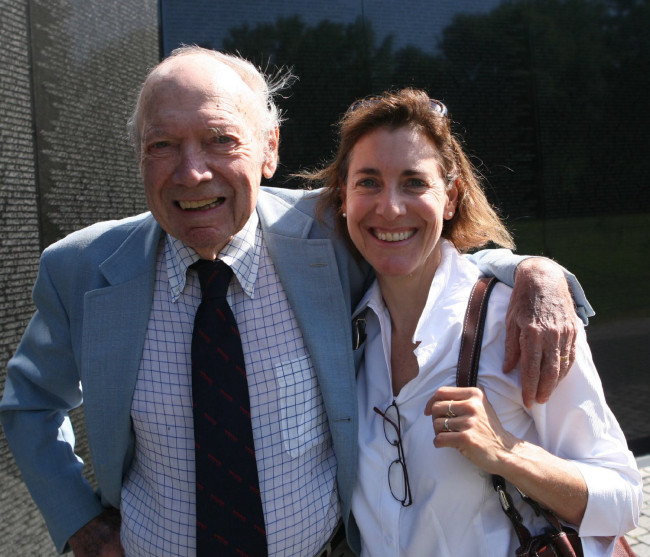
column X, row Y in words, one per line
column 203, row 154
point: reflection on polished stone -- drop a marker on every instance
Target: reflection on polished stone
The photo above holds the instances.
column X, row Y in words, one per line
column 69, row 70
column 88, row 60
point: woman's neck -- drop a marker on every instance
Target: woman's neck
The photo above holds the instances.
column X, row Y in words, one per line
column 405, row 302
column 405, row 298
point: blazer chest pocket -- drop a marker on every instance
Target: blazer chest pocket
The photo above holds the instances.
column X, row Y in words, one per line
column 302, row 412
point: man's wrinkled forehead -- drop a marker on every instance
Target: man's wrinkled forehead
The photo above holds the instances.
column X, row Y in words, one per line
column 205, row 76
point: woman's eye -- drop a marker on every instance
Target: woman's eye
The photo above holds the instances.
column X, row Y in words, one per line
column 367, row 183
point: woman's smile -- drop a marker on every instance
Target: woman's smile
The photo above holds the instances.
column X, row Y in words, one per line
column 387, row 236
column 395, row 198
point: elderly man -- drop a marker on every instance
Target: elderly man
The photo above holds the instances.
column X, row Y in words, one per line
column 116, row 307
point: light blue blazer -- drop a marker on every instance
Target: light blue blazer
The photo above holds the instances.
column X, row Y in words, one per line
column 93, row 297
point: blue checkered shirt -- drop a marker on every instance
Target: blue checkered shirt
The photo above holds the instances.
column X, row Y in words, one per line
column 293, row 447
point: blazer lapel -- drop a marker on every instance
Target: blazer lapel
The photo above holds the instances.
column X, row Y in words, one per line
column 115, row 323
column 309, row 273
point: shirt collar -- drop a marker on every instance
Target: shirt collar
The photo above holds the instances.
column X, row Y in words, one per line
column 373, row 299
column 241, row 253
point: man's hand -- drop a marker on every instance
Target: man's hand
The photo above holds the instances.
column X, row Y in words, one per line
column 540, row 328
column 100, row 537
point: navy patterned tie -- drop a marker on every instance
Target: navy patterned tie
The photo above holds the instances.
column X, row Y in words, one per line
column 229, row 515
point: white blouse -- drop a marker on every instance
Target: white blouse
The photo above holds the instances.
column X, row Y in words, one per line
column 455, row 510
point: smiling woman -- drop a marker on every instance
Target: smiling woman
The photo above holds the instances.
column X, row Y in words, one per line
column 409, row 201
column 479, row 225
column 396, row 201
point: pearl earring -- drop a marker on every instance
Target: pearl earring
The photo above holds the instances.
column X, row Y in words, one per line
column 450, row 214
column 344, row 215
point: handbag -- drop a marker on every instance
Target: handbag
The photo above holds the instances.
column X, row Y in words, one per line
column 556, row 539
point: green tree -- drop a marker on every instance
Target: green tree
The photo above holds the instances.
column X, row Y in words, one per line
column 336, row 63
column 550, row 95
column 551, row 89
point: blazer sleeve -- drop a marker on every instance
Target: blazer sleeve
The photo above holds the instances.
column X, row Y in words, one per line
column 502, row 263
column 42, row 386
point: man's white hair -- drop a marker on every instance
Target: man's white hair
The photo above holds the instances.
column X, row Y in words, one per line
column 265, row 88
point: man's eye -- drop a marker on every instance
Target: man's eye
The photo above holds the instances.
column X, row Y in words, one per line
column 157, row 145
column 222, row 139
column 367, row 183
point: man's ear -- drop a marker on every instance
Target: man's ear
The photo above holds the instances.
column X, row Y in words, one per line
column 271, row 155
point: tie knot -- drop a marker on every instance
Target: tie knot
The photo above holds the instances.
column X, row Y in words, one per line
column 214, row 277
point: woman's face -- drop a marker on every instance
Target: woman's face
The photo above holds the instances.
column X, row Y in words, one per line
column 395, row 197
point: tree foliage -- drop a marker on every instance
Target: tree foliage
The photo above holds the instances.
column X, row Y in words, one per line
column 550, row 95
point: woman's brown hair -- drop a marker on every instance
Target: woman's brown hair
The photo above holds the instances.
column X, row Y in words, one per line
column 475, row 222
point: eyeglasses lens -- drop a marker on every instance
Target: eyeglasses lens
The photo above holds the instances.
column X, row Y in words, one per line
column 397, row 480
column 391, row 425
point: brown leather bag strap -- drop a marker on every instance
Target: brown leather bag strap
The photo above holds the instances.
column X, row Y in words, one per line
column 467, row 374
column 470, row 345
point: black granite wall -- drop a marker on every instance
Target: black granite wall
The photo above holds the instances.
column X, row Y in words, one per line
column 69, row 70
column 549, row 96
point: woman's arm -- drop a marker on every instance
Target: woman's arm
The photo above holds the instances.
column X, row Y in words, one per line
column 574, row 433
column 478, row 434
column 551, row 451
